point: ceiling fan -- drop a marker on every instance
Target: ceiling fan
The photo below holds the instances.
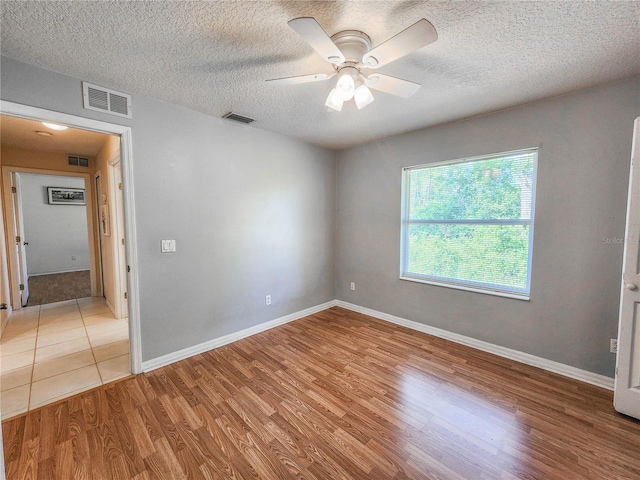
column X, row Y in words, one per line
column 350, row 53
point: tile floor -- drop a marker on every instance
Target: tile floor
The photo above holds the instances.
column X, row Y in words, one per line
column 51, row 351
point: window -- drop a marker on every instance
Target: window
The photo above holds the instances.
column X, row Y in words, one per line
column 469, row 223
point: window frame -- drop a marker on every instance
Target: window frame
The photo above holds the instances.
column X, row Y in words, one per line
column 466, row 285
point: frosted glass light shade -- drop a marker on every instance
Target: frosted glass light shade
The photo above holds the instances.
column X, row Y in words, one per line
column 346, row 86
column 334, row 100
column 362, row 96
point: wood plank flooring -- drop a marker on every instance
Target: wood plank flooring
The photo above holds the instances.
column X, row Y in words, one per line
column 334, row 395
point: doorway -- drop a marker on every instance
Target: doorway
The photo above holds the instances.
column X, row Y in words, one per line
column 54, row 246
column 87, row 307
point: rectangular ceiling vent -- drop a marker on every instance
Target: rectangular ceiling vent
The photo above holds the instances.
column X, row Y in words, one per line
column 105, row 100
column 77, row 161
column 237, row 118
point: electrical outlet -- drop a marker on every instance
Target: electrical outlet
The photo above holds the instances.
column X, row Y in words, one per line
column 73, row 257
column 353, row 285
column 613, row 345
column 267, row 300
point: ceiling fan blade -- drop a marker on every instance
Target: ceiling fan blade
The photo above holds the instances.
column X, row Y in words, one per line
column 392, row 85
column 314, row 35
column 315, row 77
column 412, row 38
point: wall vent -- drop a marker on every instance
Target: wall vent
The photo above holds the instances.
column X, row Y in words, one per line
column 105, row 100
column 237, row 118
column 77, row 161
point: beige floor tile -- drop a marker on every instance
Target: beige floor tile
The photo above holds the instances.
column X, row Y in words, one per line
column 16, row 378
column 56, row 366
column 15, row 401
column 62, row 310
column 17, row 360
column 107, row 327
column 64, row 362
column 62, row 349
column 18, row 329
column 9, row 347
column 23, row 320
column 111, row 350
column 104, row 338
column 91, row 300
column 54, row 326
column 59, row 315
column 64, row 303
column 114, row 368
column 66, row 317
column 88, row 309
column 65, row 384
column 14, row 334
column 98, row 318
column 44, row 340
column 26, row 313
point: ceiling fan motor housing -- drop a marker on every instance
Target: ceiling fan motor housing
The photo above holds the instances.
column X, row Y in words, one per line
column 353, row 44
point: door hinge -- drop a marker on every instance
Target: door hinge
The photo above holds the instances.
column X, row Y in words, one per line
column 125, row 294
column 22, row 286
column 17, row 238
column 14, row 190
column 120, row 186
column 616, row 371
column 128, row 268
column 123, row 241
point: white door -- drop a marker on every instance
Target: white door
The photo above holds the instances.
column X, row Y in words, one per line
column 21, row 242
column 627, row 387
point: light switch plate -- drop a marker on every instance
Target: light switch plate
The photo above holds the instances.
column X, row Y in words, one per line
column 168, row 246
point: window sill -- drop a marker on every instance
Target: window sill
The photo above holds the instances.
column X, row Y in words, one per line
column 466, row 288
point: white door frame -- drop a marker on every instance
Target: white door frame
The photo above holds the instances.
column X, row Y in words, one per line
column 4, row 273
column 126, row 156
column 100, row 274
column 18, row 231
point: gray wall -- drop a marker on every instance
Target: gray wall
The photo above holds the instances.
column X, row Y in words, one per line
column 56, row 233
column 583, row 166
column 253, row 213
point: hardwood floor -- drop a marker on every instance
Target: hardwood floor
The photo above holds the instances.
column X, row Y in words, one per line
column 333, row 395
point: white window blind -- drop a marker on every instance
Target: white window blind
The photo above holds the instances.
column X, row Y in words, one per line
column 469, row 223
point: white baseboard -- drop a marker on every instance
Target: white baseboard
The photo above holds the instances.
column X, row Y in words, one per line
column 5, row 319
column 110, row 307
column 232, row 337
column 526, row 358
column 58, row 271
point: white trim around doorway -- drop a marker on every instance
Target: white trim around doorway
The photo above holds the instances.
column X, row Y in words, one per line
column 126, row 159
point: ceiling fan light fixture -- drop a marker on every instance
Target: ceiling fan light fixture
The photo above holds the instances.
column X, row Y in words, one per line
column 362, row 96
column 334, row 100
column 346, row 86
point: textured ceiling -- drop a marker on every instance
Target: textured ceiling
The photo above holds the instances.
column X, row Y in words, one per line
column 20, row 132
column 214, row 56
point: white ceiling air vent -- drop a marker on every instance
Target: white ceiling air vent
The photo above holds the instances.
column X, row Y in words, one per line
column 105, row 100
column 77, row 161
column 237, row 118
